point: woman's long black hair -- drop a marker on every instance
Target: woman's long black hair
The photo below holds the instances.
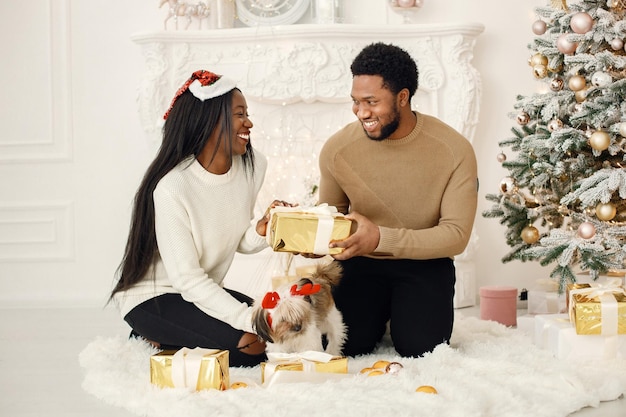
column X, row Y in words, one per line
column 187, row 129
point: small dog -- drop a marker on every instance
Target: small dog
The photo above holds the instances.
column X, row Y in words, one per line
column 297, row 317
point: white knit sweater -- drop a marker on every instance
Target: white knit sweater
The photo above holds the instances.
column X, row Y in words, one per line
column 201, row 220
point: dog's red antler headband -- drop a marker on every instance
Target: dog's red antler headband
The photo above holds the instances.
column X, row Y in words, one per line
column 272, row 298
column 306, row 289
column 270, row 301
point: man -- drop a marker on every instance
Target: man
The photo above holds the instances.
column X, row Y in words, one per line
column 409, row 181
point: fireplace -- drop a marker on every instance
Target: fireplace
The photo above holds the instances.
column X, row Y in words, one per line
column 296, row 79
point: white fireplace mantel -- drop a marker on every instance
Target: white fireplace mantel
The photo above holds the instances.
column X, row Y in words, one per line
column 297, row 81
column 310, row 64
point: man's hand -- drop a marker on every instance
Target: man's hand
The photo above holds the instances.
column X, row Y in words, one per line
column 362, row 242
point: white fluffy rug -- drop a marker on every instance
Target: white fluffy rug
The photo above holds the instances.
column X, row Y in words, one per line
column 488, row 370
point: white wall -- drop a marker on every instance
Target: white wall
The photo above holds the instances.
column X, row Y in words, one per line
column 72, row 151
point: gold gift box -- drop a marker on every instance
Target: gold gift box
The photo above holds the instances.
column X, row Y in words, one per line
column 295, row 232
column 573, row 287
column 587, row 313
column 337, row 365
column 213, row 372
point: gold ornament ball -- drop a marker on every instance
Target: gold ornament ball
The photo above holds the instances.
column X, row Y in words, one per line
column 586, row 230
column 523, row 118
column 530, row 234
column 556, row 84
column 501, row 157
column 427, row 389
column 576, row 83
column 507, row 185
column 558, row 68
column 580, row 95
column 600, row 140
column 555, row 124
column 538, row 59
column 540, row 71
column 606, row 211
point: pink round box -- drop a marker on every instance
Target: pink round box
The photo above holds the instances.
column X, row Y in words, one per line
column 499, row 303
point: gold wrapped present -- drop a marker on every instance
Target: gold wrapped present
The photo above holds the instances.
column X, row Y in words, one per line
column 612, row 278
column 598, row 309
column 192, row 368
column 303, row 362
column 298, row 230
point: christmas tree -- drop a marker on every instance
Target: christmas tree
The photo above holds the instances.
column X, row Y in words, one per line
column 564, row 199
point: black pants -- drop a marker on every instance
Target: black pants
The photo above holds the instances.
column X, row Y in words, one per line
column 414, row 296
column 175, row 323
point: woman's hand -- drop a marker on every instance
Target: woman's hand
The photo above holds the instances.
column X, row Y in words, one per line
column 261, row 226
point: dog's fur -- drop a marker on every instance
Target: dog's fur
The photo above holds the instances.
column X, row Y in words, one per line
column 298, row 322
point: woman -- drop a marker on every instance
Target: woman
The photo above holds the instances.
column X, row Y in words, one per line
column 192, row 212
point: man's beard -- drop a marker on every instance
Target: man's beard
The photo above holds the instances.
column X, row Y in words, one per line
column 388, row 129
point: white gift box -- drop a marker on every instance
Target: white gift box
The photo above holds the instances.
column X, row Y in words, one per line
column 465, row 285
column 312, row 365
column 546, row 302
column 555, row 333
column 544, row 298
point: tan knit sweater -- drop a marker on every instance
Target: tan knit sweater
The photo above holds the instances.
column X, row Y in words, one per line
column 421, row 190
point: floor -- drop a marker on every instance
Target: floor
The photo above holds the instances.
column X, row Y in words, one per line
column 40, row 375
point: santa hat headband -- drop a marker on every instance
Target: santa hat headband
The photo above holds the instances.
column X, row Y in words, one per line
column 203, row 85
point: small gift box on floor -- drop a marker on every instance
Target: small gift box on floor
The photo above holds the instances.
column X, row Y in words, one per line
column 190, row 368
column 598, row 309
column 555, row 333
column 307, row 230
column 310, row 363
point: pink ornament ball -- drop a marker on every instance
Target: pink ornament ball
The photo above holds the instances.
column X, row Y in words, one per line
column 617, row 44
column 586, row 230
column 581, row 23
column 565, row 46
column 406, row 3
column 501, row 157
column 539, row 27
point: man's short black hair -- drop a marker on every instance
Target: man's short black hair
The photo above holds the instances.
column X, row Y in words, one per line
column 391, row 62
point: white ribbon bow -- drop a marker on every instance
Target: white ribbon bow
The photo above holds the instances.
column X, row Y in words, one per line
column 186, row 366
column 307, row 358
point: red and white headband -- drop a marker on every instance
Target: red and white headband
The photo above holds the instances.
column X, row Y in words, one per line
column 203, row 85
